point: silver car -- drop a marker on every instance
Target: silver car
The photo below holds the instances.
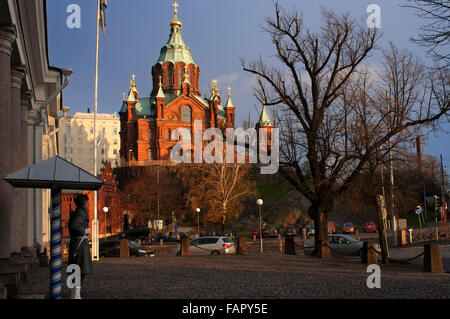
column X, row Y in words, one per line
column 341, row 244
column 211, row 245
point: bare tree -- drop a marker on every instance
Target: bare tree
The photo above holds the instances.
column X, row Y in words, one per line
column 435, row 36
column 219, row 189
column 333, row 115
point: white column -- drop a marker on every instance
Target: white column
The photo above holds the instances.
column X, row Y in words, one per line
column 39, row 213
column 18, row 216
column 31, row 118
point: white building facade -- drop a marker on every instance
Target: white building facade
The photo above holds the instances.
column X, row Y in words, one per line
column 76, row 139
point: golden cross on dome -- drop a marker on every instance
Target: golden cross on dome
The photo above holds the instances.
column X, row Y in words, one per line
column 176, row 5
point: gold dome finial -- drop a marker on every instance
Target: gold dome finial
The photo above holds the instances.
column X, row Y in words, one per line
column 160, row 79
column 229, row 92
column 133, row 83
column 215, row 89
column 175, row 21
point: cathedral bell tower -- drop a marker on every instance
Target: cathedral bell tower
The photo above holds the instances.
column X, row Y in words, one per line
column 175, row 63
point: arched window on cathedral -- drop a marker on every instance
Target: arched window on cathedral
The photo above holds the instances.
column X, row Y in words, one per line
column 170, row 76
column 149, row 154
column 186, row 114
column 168, row 135
column 180, row 75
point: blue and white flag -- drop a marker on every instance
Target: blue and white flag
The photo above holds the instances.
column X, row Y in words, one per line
column 102, row 20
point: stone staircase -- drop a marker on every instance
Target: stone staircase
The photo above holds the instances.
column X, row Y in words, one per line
column 16, row 271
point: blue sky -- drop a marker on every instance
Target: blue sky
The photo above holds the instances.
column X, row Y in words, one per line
column 218, row 32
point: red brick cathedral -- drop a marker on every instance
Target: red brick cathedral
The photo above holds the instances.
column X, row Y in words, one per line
column 147, row 123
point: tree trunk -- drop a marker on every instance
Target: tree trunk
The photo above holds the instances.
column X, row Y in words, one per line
column 224, row 216
column 321, row 244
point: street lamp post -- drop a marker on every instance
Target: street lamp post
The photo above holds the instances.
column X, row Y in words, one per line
column 198, row 222
column 129, row 157
column 105, row 210
column 259, row 202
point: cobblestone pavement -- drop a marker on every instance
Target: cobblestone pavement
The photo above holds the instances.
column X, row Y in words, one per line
column 270, row 275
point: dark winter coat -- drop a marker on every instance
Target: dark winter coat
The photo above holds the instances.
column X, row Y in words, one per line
column 78, row 222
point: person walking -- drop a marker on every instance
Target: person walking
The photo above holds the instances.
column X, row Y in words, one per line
column 79, row 247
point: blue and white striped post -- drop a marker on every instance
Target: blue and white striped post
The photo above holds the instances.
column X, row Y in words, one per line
column 55, row 246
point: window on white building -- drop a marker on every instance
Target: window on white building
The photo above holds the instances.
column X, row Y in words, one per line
column 68, row 150
column 68, row 129
column 68, row 139
column 91, row 151
column 80, row 151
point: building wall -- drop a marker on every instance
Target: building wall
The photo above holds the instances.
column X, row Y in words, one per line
column 26, row 82
column 109, row 195
column 76, row 139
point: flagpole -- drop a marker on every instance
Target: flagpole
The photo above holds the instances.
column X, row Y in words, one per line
column 95, row 249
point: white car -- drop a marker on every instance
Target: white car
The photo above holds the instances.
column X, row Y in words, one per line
column 211, row 245
column 342, row 244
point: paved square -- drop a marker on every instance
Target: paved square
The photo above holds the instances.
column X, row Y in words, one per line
column 270, row 275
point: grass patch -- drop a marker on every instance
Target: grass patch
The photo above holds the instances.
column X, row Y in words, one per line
column 275, row 187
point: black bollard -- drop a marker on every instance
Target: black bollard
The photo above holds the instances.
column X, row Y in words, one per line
column 289, row 246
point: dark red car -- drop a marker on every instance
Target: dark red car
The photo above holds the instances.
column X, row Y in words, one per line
column 370, row 227
column 255, row 232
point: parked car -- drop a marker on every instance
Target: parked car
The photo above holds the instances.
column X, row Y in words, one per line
column 342, row 244
column 227, row 232
column 111, row 248
column 331, row 227
column 270, row 231
column 255, row 232
column 310, row 231
column 370, row 227
column 349, row 228
column 173, row 237
column 291, row 230
column 138, row 233
column 211, row 245
column 192, row 235
column 210, row 232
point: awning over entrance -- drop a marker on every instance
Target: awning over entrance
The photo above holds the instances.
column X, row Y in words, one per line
column 55, row 172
